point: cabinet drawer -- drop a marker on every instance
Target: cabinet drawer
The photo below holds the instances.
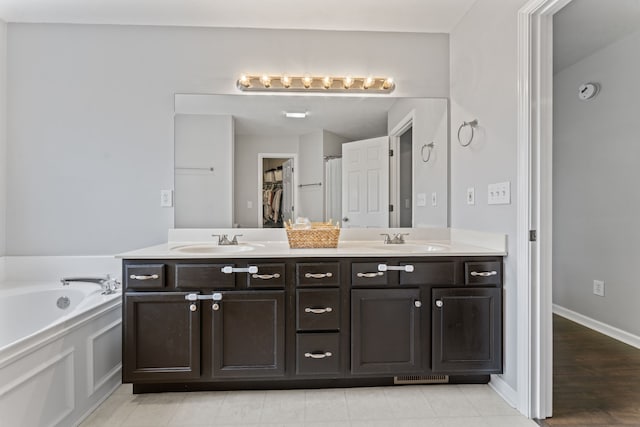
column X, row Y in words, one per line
column 144, row 276
column 429, row 273
column 367, row 274
column 318, row 309
column 318, row 354
column 318, row 274
column 483, row 273
column 268, row 276
column 204, row 276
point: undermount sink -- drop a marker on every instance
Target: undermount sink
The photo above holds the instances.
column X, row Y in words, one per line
column 208, row 248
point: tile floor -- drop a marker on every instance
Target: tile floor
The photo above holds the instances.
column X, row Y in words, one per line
column 431, row 406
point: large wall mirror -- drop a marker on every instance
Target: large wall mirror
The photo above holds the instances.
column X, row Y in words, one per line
column 260, row 160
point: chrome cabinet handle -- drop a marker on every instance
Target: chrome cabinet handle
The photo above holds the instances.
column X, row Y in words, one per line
column 439, row 303
column 266, row 276
column 317, row 275
column 318, row 310
column 370, row 275
column 193, row 307
column 318, row 355
column 144, row 277
column 215, row 306
column 406, row 268
column 227, row 269
column 418, row 304
column 484, row 273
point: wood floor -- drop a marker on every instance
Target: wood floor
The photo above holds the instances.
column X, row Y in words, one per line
column 596, row 379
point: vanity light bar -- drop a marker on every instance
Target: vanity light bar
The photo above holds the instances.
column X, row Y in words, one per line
column 307, row 83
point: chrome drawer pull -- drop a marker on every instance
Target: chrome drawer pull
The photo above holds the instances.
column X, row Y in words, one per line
column 266, row 276
column 318, row 355
column 370, row 275
column 318, row 310
column 147, row 277
column 484, row 273
column 406, row 268
column 317, row 275
column 229, row 270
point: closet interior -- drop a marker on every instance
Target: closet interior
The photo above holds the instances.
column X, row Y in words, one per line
column 272, row 193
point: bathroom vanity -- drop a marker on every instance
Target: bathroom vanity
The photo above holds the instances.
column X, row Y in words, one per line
column 197, row 316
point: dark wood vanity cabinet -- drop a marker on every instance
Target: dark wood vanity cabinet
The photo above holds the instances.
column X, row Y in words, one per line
column 467, row 330
column 386, row 333
column 310, row 321
column 247, row 334
column 161, row 337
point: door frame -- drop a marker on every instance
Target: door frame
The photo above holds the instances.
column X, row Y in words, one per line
column 534, row 208
column 394, row 168
column 261, row 157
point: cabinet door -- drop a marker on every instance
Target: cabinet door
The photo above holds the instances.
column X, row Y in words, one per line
column 161, row 337
column 385, row 331
column 248, row 335
column 467, row 331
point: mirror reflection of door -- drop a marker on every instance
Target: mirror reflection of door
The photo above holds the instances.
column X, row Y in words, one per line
column 287, row 191
column 365, row 183
column 405, row 178
column 277, row 191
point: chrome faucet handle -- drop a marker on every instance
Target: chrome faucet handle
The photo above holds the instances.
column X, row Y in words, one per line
column 399, row 237
column 387, row 237
column 223, row 239
column 234, row 241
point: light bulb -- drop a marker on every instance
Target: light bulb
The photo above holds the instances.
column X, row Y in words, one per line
column 368, row 82
column 306, row 81
column 388, row 83
column 347, row 82
column 265, row 80
column 285, row 80
column 327, row 82
column 244, row 80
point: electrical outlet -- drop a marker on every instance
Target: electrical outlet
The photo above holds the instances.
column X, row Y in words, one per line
column 598, row 287
column 471, row 196
column 434, row 199
column 166, row 198
column 499, row 193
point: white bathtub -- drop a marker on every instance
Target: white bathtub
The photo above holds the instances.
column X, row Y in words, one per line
column 57, row 364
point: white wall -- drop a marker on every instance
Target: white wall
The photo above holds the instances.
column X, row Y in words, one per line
column 430, row 125
column 203, row 198
column 311, row 171
column 596, row 202
column 247, row 148
column 3, row 136
column 90, row 136
column 483, row 86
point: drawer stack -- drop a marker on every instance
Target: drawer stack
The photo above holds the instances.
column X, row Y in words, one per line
column 318, row 315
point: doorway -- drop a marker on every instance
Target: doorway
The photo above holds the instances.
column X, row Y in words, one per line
column 401, row 174
column 276, row 189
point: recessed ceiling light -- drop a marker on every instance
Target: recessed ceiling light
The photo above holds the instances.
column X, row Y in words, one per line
column 295, row 115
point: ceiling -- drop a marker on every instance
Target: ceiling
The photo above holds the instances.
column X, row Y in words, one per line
column 352, row 117
column 585, row 26
column 429, row 16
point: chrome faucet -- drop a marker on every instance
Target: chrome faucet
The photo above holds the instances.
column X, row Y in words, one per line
column 108, row 285
column 223, row 239
column 397, row 238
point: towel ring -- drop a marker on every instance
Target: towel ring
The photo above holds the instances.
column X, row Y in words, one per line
column 430, row 146
column 472, row 124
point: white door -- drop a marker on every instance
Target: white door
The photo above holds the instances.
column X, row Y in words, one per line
column 365, row 183
column 287, row 191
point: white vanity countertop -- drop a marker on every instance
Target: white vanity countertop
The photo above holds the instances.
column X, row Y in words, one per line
column 272, row 243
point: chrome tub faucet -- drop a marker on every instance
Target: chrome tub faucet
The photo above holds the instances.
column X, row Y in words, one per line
column 108, row 285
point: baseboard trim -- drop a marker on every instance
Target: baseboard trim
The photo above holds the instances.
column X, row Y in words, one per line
column 504, row 390
column 596, row 325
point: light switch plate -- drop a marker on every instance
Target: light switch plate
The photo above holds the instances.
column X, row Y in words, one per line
column 434, row 199
column 166, row 198
column 598, row 287
column 499, row 193
column 421, row 199
column 471, row 196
